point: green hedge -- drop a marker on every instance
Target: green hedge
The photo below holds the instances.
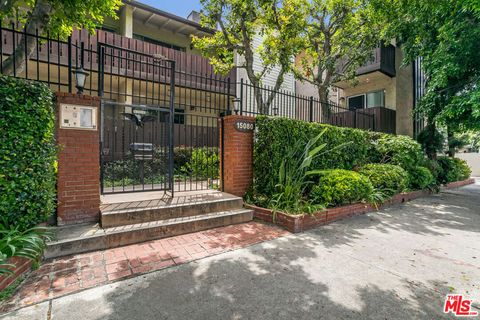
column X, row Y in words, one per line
column 27, row 152
column 388, row 178
column 399, row 150
column 274, row 134
column 453, row 169
column 338, row 187
column 420, row 178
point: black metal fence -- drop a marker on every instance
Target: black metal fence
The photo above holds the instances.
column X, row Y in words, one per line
column 291, row 105
column 125, row 76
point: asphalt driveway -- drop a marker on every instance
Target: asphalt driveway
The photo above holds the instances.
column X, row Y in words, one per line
column 398, row 263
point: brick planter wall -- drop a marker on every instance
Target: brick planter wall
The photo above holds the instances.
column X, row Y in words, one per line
column 23, row 265
column 78, row 187
column 458, row 184
column 299, row 223
column 236, row 167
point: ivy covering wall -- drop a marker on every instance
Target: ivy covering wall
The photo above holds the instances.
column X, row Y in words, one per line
column 27, row 152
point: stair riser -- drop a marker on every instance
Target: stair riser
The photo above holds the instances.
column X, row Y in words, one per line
column 74, row 247
column 125, row 238
column 113, row 240
column 149, row 215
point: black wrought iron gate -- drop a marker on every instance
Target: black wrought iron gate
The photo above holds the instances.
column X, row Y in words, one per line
column 159, row 121
column 137, row 116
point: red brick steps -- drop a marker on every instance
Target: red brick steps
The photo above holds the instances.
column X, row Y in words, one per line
column 127, row 223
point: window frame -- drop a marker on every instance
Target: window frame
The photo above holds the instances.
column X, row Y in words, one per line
column 365, row 95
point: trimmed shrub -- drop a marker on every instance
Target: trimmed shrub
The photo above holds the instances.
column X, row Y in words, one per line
column 338, row 187
column 203, row 164
column 273, row 135
column 435, row 169
column 388, row 178
column 453, row 169
column 399, row 150
column 420, row 178
column 181, row 156
column 27, row 152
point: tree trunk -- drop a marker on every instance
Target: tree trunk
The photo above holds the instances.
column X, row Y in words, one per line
column 451, row 147
column 326, row 111
column 261, row 106
column 37, row 21
column 431, row 152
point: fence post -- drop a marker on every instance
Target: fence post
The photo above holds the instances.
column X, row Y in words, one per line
column 69, row 53
column 310, row 106
column 355, row 118
column 101, row 53
column 229, row 112
column 241, row 96
column 171, row 124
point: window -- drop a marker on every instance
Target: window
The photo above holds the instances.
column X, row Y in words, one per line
column 376, row 99
column 356, row 102
column 367, row 100
column 178, row 118
column 158, row 42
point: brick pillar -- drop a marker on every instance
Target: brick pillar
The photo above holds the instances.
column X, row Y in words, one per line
column 236, row 169
column 78, row 186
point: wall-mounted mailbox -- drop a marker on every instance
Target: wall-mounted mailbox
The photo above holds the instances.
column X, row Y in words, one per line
column 78, row 117
column 142, row 151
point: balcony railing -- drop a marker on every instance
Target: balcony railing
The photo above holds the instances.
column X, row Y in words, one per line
column 307, row 108
column 382, row 59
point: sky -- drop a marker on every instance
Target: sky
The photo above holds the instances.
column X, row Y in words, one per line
column 180, row 8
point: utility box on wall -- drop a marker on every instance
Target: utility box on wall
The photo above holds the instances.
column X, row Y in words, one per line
column 78, row 117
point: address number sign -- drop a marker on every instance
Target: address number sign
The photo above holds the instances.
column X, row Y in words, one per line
column 244, row 125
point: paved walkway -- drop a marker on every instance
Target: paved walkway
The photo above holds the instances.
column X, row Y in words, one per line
column 66, row 275
column 394, row 264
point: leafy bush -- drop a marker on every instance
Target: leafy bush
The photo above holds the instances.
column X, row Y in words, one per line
column 338, row 187
column 431, row 141
column 398, row 150
column 29, row 244
column 292, row 175
column 181, row 156
column 420, row 178
column 27, row 152
column 453, row 169
column 388, row 178
column 274, row 136
column 435, row 169
column 203, row 164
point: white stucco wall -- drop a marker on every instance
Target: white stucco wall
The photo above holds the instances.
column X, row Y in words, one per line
column 473, row 160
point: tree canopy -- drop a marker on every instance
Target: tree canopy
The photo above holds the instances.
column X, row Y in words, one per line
column 274, row 24
column 445, row 35
column 339, row 37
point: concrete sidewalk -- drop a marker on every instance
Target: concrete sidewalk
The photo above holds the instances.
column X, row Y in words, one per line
column 394, row 264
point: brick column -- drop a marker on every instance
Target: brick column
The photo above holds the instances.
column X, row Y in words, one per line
column 236, row 169
column 78, row 186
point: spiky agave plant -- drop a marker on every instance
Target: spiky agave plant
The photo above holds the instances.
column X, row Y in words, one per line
column 14, row 243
